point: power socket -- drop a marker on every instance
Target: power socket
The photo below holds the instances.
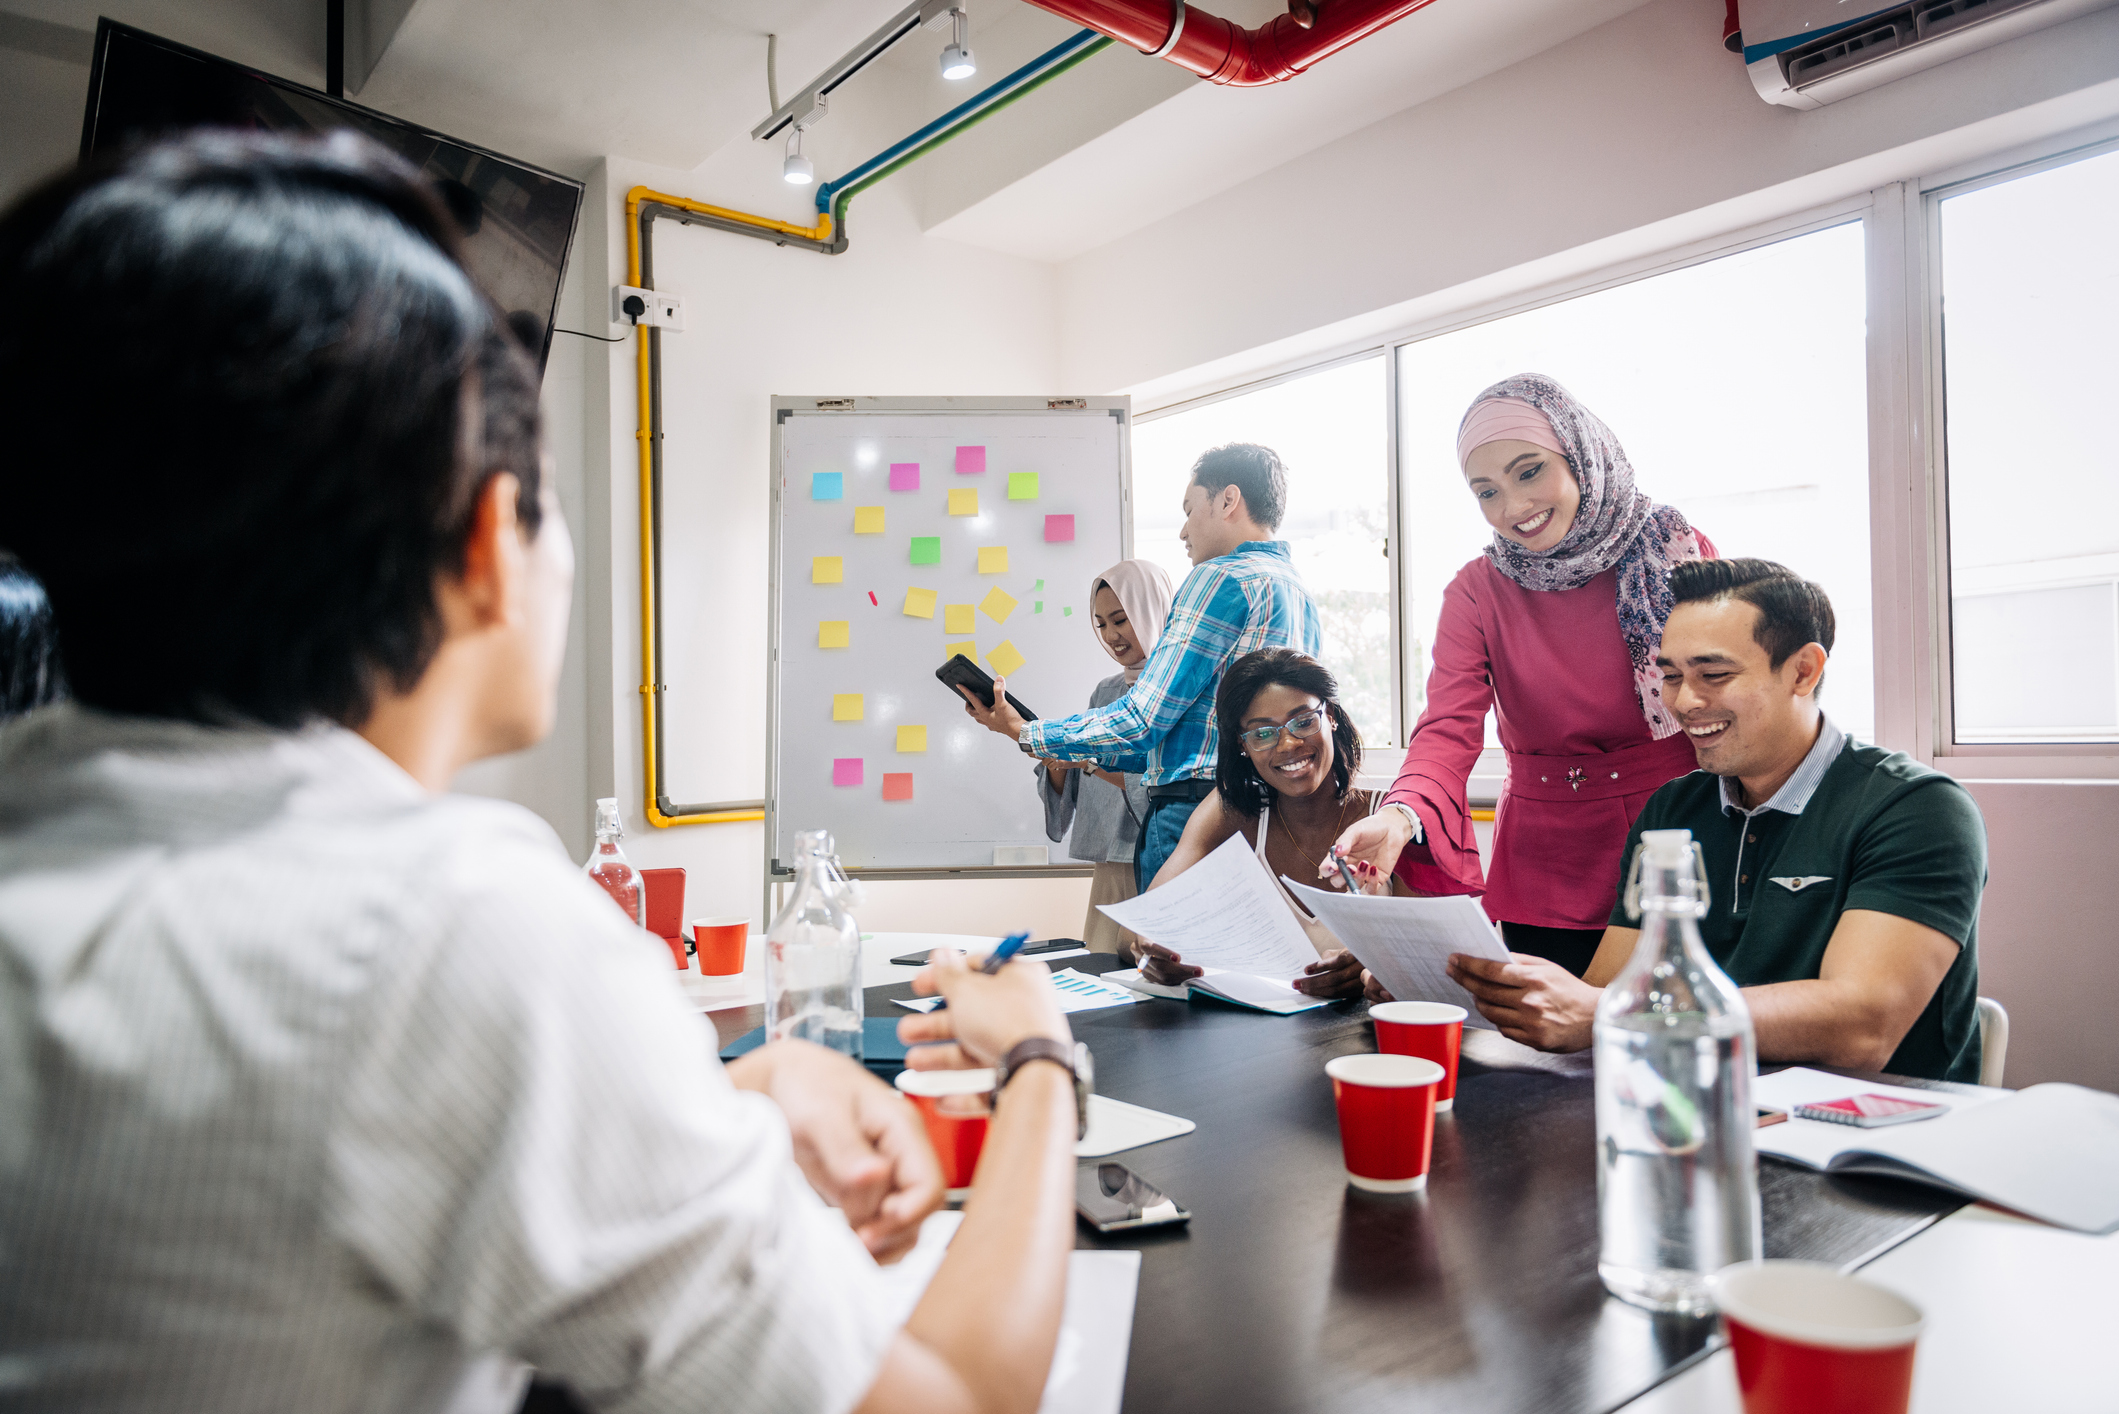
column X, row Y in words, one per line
column 659, row 308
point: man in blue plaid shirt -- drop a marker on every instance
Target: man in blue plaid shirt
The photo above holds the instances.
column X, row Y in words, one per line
column 1244, row 595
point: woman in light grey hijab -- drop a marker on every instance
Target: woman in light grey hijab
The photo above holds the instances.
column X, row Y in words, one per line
column 1127, row 606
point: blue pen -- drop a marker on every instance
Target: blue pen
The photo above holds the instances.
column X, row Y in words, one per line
column 998, row 959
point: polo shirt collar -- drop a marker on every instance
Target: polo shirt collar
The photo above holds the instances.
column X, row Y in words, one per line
column 1796, row 791
column 1263, row 547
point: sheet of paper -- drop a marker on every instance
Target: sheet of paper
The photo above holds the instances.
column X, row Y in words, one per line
column 834, row 633
column 964, row 501
column 827, row 486
column 868, row 520
column 960, row 618
column 912, row 738
column 1058, row 528
column 971, row 461
column 997, row 605
column 993, row 559
column 897, row 785
column 1081, row 992
column 904, row 476
column 847, row 771
column 847, row 707
column 1022, row 486
column 919, row 603
column 1265, row 993
column 1222, row 912
column 827, row 569
column 968, row 649
column 1115, row 1126
column 1406, row 942
column 926, row 549
column 1004, row 660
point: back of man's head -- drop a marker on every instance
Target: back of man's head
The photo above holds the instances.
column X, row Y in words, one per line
column 1791, row 610
column 252, row 397
column 1254, row 470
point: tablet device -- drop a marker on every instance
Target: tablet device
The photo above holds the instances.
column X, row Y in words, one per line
column 1068, row 946
column 960, row 671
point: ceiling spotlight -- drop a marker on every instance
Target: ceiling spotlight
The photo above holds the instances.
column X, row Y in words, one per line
column 957, row 62
column 797, row 170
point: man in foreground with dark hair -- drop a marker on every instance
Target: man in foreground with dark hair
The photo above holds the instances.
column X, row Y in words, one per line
column 1242, row 596
column 322, row 1090
column 1844, row 879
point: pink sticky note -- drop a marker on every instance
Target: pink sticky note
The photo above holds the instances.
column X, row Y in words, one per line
column 897, row 785
column 971, row 461
column 1058, row 528
column 846, row 771
column 904, row 476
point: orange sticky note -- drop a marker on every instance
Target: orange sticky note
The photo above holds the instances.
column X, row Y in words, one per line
column 919, row 603
column 967, row 648
column 959, row 618
column 998, row 604
column 912, row 738
column 868, row 520
column 827, row 569
column 897, row 785
column 993, row 559
column 964, row 502
column 1004, row 660
column 835, row 633
column 847, row 707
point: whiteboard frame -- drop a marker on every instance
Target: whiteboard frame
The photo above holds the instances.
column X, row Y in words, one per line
column 785, row 406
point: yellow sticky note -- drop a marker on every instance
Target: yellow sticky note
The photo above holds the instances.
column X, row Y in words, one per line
column 846, row 706
column 1004, row 660
column 868, row 520
column 964, row 502
column 998, row 604
column 959, row 618
column 835, row 633
column 912, row 738
column 919, row 603
column 967, row 649
column 993, row 559
column 830, row 569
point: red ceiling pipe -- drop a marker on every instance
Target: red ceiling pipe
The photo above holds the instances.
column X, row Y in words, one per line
column 1221, row 52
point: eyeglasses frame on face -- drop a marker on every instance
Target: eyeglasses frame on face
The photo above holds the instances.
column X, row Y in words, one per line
column 1318, row 718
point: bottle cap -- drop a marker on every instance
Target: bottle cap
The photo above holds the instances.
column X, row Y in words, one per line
column 607, row 816
column 1667, row 849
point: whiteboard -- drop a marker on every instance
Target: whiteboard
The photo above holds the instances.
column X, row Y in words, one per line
column 836, row 756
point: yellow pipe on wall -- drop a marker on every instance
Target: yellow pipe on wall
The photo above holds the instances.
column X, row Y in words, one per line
column 633, row 202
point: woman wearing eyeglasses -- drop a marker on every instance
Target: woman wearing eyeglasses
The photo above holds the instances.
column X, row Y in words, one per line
column 1284, row 780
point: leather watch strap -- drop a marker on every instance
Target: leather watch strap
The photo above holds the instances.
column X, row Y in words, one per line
column 1074, row 1059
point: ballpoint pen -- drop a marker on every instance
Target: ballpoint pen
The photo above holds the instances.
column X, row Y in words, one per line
column 1344, row 872
column 995, row 961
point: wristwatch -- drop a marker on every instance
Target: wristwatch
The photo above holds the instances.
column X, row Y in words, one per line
column 1407, row 811
column 1075, row 1059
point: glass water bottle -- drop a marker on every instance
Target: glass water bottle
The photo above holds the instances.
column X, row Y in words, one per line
column 1677, row 1173
column 609, row 867
column 813, row 955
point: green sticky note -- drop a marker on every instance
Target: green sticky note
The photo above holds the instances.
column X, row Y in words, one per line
column 1039, row 585
column 1037, row 606
column 1066, row 613
column 927, row 549
column 1022, row 486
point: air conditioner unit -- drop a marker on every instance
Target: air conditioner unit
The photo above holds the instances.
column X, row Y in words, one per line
column 1807, row 53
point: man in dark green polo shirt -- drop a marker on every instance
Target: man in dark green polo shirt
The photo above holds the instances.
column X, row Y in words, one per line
column 1845, row 879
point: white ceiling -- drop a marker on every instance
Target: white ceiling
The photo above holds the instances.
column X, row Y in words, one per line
column 1123, row 142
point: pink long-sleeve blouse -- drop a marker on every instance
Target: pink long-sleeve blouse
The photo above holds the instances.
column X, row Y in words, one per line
column 1581, row 761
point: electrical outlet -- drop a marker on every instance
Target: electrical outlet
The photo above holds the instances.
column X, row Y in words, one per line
column 660, row 308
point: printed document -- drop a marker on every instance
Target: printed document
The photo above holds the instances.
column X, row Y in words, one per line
column 1407, row 942
column 1222, row 912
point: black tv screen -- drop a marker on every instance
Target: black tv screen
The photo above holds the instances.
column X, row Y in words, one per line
column 518, row 220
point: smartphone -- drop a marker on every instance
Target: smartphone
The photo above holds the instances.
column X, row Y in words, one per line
column 1870, row 1111
column 1112, row 1198
column 960, row 671
column 1050, row 945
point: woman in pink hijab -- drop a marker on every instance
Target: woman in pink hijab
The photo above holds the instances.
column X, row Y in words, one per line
column 1556, row 628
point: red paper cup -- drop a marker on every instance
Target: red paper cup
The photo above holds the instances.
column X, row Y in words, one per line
column 1386, row 1119
column 1810, row 1340
column 720, row 942
column 956, row 1106
column 1430, row 1030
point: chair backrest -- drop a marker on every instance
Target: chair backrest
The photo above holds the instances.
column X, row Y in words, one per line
column 1993, row 1040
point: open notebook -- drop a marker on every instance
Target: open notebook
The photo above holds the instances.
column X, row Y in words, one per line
column 2050, row 1152
column 1241, row 988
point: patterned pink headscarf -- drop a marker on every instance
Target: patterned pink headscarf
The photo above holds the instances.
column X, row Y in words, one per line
column 1616, row 526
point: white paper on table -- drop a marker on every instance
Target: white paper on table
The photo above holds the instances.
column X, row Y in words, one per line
column 1222, row 912
column 1407, row 942
column 1088, row 1372
column 1078, row 991
column 1115, row 1126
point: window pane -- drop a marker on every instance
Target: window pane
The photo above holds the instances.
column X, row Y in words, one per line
column 1739, row 388
column 2030, row 302
column 1330, row 429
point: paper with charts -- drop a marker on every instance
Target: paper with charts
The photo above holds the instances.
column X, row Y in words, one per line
column 1222, row 912
column 1406, row 942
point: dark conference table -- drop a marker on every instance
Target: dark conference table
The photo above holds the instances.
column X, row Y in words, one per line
column 1293, row 1291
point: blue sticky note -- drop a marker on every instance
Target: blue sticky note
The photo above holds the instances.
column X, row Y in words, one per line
column 826, row 485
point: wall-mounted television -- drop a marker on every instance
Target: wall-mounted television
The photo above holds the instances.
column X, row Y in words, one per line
column 518, row 220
